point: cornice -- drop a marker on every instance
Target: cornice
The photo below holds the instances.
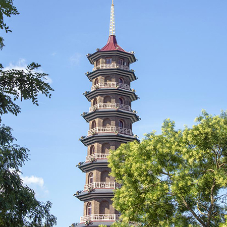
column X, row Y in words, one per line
column 88, row 140
column 95, row 56
column 106, row 91
column 117, row 71
column 109, row 113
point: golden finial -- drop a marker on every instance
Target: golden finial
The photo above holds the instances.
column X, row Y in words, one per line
column 112, row 20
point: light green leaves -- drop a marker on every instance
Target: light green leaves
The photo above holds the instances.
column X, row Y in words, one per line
column 176, row 177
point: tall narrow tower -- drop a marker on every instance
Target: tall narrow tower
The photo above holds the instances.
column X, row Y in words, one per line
column 110, row 119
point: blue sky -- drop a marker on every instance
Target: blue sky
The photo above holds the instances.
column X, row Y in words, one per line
column 182, row 53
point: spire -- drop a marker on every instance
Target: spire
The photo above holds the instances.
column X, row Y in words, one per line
column 112, row 20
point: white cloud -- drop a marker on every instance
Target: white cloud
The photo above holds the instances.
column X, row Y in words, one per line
column 33, row 180
column 37, row 184
column 22, row 65
column 75, row 59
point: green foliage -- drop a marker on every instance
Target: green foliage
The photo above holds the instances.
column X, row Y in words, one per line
column 177, row 178
column 6, row 9
column 18, row 204
column 24, row 84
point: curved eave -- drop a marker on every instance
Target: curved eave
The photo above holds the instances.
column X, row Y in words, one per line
column 111, row 112
column 95, row 56
column 121, row 72
column 106, row 138
column 89, row 166
column 97, row 193
column 103, row 91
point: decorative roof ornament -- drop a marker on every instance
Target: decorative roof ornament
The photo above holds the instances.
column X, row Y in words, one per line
column 112, row 20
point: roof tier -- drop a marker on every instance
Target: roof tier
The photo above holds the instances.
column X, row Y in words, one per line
column 112, row 44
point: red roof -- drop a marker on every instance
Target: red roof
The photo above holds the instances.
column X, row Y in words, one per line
column 112, row 44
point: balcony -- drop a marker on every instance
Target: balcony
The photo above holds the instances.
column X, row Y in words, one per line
column 100, row 217
column 100, row 185
column 111, row 85
column 96, row 156
column 110, row 106
column 110, row 129
column 111, row 66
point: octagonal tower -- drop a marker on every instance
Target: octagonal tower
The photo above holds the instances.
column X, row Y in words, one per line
column 110, row 119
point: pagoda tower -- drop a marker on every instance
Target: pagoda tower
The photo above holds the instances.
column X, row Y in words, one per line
column 110, row 119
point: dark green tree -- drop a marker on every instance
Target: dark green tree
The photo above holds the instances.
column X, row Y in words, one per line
column 18, row 205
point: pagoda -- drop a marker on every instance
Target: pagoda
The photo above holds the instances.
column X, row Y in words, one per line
column 110, row 119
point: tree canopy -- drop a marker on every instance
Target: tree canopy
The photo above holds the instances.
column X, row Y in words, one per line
column 177, row 178
column 18, row 205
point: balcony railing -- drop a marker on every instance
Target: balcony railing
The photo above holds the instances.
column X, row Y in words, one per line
column 110, row 106
column 100, row 185
column 111, row 66
column 96, row 156
column 100, row 217
column 110, row 129
column 111, row 85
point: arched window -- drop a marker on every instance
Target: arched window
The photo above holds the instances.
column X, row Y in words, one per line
column 106, row 122
column 96, row 81
column 88, row 208
column 93, row 124
column 107, row 99
column 121, row 61
column 121, row 81
column 121, row 101
column 105, row 148
column 107, row 79
column 95, row 102
column 92, row 149
column 121, row 124
column 108, row 60
column 105, row 176
column 98, row 63
column 90, row 178
column 104, row 207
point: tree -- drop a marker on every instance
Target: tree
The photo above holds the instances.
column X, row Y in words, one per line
column 178, row 178
column 18, row 205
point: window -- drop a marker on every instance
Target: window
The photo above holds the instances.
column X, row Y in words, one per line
column 89, row 209
column 108, row 60
column 93, row 125
column 106, row 122
column 105, row 148
column 95, row 102
column 121, row 101
column 92, row 150
column 90, row 178
column 107, row 99
column 121, row 62
column 121, row 81
column 98, row 62
column 96, row 81
column 121, row 124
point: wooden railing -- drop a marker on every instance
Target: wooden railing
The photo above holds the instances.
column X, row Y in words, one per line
column 111, row 66
column 111, row 85
column 110, row 106
column 110, row 129
column 100, row 217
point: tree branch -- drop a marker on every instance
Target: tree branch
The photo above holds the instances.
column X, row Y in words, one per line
column 193, row 213
column 211, row 203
